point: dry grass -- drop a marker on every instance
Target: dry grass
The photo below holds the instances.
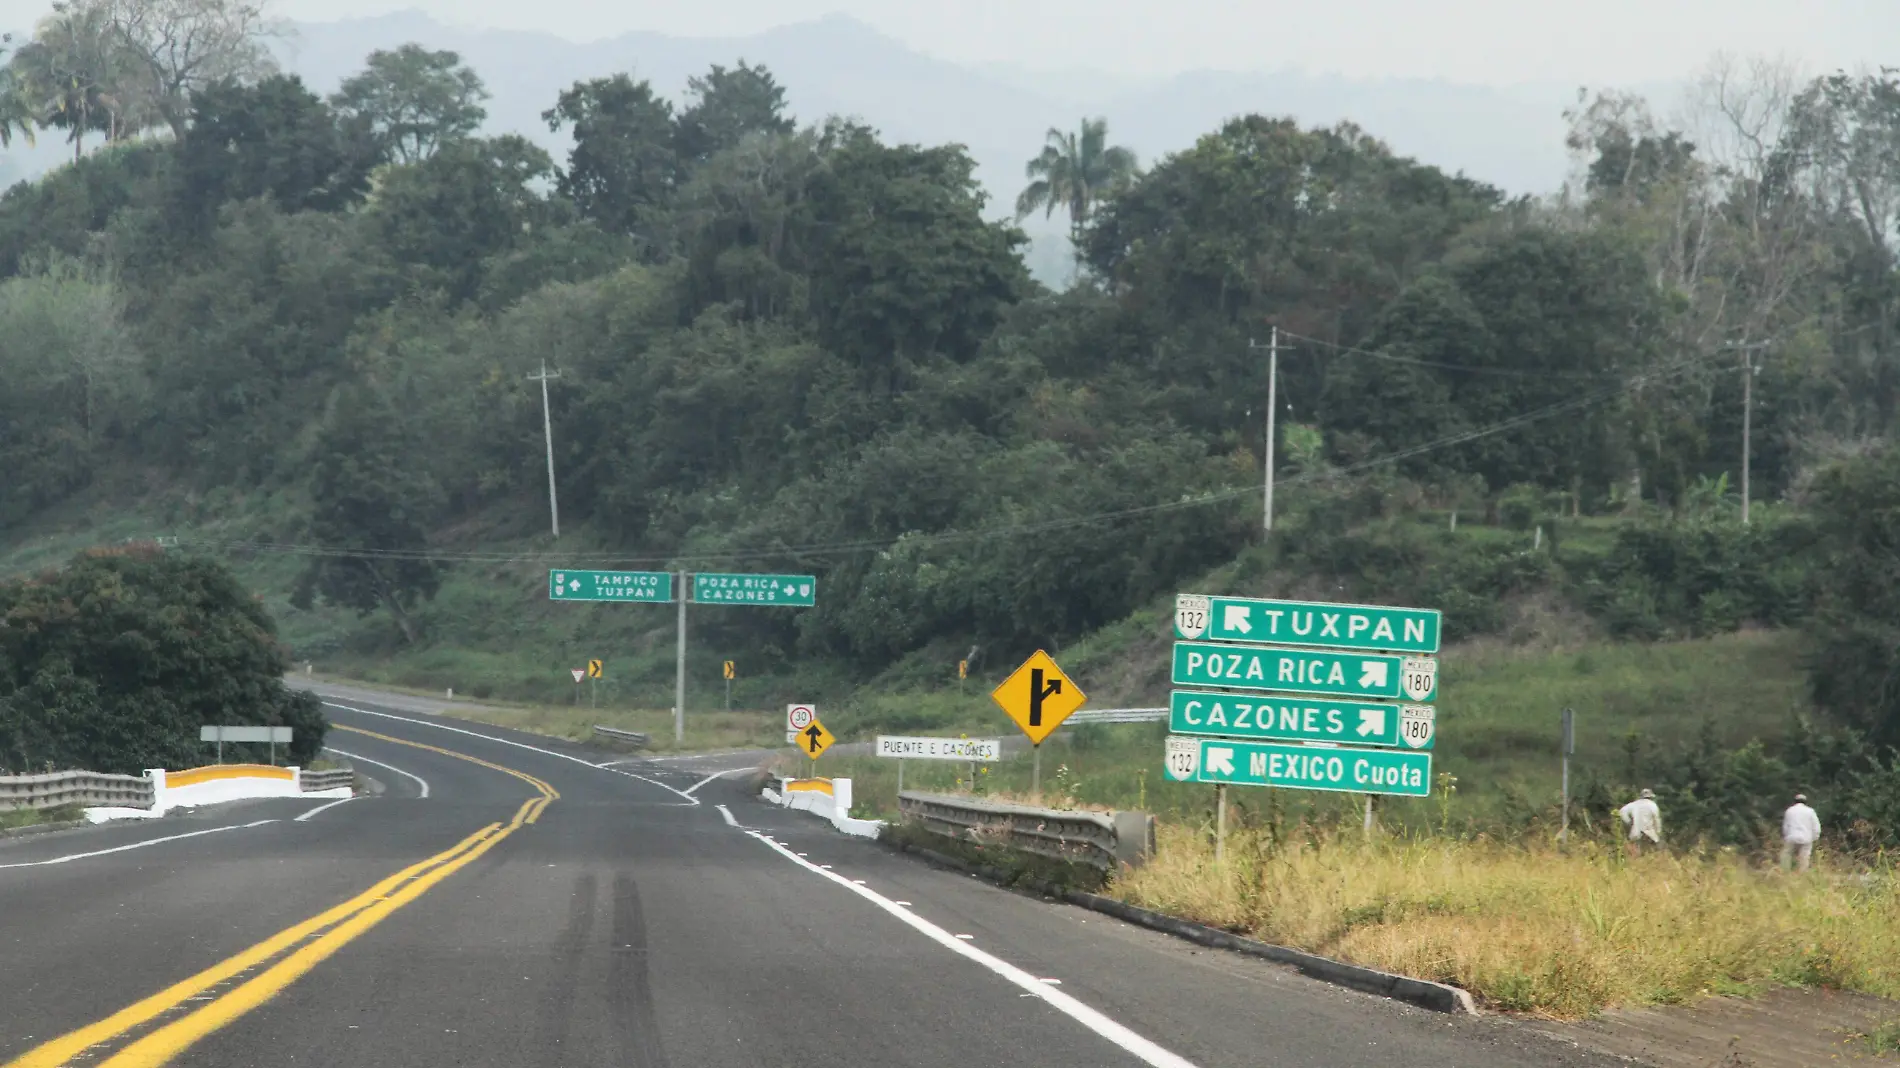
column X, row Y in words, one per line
column 1534, row 930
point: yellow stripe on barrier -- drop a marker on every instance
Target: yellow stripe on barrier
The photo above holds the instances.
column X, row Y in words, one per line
column 818, row 786
column 217, row 772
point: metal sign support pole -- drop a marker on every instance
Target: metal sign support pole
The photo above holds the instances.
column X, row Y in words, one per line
column 1220, row 822
column 1569, row 746
column 900, row 776
column 679, row 674
column 1368, row 827
column 1035, row 771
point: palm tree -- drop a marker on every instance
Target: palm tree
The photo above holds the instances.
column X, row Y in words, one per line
column 1074, row 172
column 78, row 75
column 14, row 111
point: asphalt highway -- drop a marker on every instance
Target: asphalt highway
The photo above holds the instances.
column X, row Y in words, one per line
column 507, row 902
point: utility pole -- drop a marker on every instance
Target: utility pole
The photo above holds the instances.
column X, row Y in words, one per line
column 679, row 666
column 1273, row 404
column 547, row 434
column 1749, row 371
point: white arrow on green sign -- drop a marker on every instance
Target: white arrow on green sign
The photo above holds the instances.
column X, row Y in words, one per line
column 650, row 586
column 716, row 588
column 1391, row 678
column 1311, row 767
column 1301, row 719
column 1311, row 623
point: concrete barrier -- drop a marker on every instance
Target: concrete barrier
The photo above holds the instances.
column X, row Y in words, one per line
column 829, row 799
column 214, row 785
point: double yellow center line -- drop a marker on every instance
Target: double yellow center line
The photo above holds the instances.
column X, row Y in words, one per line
column 295, row 950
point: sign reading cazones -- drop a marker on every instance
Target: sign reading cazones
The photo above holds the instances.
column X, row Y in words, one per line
column 983, row 749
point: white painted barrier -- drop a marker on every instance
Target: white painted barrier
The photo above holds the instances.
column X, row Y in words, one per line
column 215, row 785
column 828, row 799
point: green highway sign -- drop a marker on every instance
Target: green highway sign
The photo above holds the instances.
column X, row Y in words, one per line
column 1311, row 623
column 1390, row 678
column 1301, row 719
column 1309, row 767
column 793, row 590
column 651, row 586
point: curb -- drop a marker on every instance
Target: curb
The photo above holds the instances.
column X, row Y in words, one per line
column 1438, row 997
column 41, row 828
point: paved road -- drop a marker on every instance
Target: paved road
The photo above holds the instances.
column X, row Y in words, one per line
column 547, row 912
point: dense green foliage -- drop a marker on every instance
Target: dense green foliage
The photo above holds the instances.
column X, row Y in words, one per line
column 114, row 662
column 803, row 347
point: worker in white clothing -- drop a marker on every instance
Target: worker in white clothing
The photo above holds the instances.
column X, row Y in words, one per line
column 1800, row 827
column 1645, row 821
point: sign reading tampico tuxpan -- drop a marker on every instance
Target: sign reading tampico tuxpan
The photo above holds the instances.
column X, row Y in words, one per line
column 1318, row 624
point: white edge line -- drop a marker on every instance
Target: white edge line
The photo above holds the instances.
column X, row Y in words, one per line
column 690, row 799
column 320, row 808
column 726, row 812
column 1148, row 1051
column 420, row 781
column 715, row 775
column 134, row 845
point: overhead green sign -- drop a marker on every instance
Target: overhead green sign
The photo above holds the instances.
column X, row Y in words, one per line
column 1399, row 772
column 1301, row 719
column 1311, row 623
column 1391, row 678
column 793, row 590
column 653, row 586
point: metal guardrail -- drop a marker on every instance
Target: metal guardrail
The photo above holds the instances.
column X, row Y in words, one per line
column 330, row 779
column 74, row 788
column 631, row 738
column 1100, row 839
column 1086, row 716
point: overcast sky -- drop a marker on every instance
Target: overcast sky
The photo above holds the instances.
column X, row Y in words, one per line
column 1479, row 41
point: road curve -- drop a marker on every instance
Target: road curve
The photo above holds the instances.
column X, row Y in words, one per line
column 536, row 910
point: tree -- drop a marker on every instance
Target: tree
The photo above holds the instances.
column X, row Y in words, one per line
column 275, row 139
column 1855, row 668
column 414, row 100
column 15, row 112
column 371, row 503
column 622, row 166
column 115, row 661
column 1074, row 171
column 179, row 47
column 726, row 106
column 904, row 266
column 73, row 74
column 449, row 213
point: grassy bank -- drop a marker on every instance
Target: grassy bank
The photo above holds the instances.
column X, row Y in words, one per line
column 1497, row 733
column 15, row 818
column 1534, row 930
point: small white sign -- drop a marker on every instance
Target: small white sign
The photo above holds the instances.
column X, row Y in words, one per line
column 1191, row 612
column 1416, row 723
column 579, row 674
column 791, row 737
column 1418, row 677
column 983, row 749
column 798, row 717
column 1183, row 759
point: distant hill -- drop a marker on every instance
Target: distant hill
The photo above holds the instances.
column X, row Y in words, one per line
column 1512, row 137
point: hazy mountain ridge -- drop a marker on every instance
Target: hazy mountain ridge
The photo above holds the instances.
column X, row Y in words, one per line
column 836, row 65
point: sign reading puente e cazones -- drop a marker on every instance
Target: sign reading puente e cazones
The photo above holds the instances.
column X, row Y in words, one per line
column 1311, row 623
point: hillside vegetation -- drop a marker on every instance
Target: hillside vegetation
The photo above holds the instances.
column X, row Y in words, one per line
column 296, row 335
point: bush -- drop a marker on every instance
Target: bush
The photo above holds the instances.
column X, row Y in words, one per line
column 115, row 662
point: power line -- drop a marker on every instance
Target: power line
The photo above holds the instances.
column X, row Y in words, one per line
column 847, row 548
column 1508, row 372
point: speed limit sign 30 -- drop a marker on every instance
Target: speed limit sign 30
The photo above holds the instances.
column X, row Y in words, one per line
column 798, row 717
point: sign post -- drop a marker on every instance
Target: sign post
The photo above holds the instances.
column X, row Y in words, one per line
column 1570, row 748
column 1038, row 696
column 679, row 671
column 579, row 674
column 730, row 671
column 221, row 735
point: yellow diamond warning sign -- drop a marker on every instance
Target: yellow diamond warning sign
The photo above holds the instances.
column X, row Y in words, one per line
column 1038, row 697
column 814, row 739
